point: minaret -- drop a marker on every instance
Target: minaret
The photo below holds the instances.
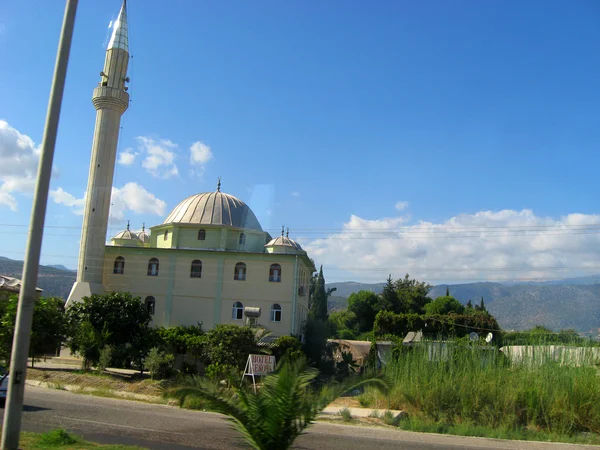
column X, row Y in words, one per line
column 111, row 100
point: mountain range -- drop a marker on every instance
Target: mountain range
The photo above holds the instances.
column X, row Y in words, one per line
column 559, row 304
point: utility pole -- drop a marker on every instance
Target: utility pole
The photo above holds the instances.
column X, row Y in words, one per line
column 20, row 349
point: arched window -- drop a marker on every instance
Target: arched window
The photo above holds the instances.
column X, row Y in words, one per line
column 201, row 235
column 196, row 271
column 238, row 311
column 153, row 267
column 276, row 313
column 119, row 266
column 150, row 305
column 166, row 235
column 242, row 238
column 240, row 271
column 275, row 273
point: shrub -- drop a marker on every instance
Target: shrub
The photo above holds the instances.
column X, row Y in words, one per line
column 159, row 364
column 57, row 438
column 389, row 418
column 105, row 358
column 346, row 415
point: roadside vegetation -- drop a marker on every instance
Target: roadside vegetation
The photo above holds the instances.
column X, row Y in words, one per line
column 451, row 380
column 467, row 389
column 61, row 439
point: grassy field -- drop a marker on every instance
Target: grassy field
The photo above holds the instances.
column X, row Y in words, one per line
column 60, row 439
column 474, row 392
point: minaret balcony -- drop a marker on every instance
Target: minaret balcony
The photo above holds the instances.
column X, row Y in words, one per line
column 106, row 97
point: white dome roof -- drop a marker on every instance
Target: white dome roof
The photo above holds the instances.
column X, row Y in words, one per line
column 284, row 241
column 214, row 208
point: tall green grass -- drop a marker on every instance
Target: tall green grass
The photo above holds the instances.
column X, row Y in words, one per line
column 469, row 385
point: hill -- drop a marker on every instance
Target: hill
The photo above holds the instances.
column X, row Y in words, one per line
column 559, row 304
column 53, row 281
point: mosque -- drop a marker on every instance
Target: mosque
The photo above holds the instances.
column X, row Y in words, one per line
column 209, row 262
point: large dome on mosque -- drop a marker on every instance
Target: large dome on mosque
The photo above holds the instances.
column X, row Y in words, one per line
column 214, row 208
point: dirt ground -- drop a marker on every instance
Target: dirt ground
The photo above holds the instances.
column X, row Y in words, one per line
column 105, row 381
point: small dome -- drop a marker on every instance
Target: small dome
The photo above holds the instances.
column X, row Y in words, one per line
column 214, row 208
column 284, row 241
column 143, row 236
column 127, row 235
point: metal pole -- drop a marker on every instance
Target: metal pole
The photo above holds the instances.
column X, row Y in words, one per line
column 18, row 365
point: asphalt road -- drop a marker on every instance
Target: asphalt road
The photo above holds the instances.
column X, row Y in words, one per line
column 161, row 427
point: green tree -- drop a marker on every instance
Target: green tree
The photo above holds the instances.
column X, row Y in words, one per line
column 117, row 319
column 319, row 303
column 412, row 295
column 274, row 416
column 344, row 324
column 228, row 344
column 389, row 298
column 444, row 305
column 47, row 327
column 364, row 305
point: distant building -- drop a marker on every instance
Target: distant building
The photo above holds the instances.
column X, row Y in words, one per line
column 209, row 262
column 11, row 286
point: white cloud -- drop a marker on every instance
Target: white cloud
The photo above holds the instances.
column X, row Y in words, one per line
column 62, row 197
column 200, row 154
column 296, row 194
column 488, row 245
column 131, row 198
column 160, row 157
column 127, row 157
column 18, row 164
column 401, row 206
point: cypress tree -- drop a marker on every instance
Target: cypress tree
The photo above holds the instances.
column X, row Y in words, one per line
column 482, row 305
column 447, row 291
column 319, row 306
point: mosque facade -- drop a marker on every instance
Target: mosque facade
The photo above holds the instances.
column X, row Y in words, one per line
column 209, row 262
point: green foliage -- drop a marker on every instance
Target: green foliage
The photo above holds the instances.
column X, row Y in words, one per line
column 47, row 328
column 105, row 358
column 227, row 372
column 315, row 340
column 57, row 438
column 364, row 305
column 343, row 324
column 229, row 345
column 540, row 335
column 469, row 385
column 412, row 295
column 287, row 347
column 274, row 416
column 389, row 300
column 318, row 308
column 116, row 319
column 346, row 365
column 181, row 339
column 444, row 305
column 389, row 418
column 346, row 415
column 388, row 322
column 159, row 364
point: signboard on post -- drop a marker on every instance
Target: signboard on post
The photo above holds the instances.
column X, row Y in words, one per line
column 258, row 365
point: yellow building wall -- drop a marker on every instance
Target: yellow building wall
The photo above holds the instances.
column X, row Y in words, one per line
column 189, row 310
column 182, row 300
column 188, row 238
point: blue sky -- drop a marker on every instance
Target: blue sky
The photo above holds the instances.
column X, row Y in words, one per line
column 323, row 116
